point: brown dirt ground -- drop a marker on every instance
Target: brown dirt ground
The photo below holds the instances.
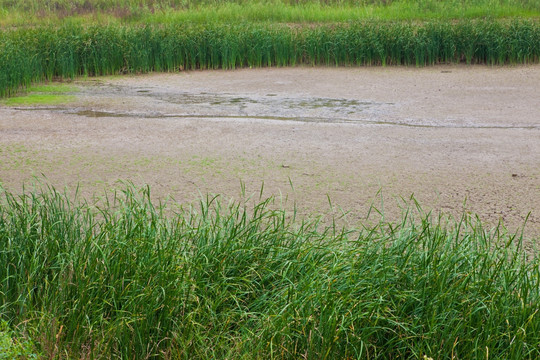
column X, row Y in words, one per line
column 457, row 138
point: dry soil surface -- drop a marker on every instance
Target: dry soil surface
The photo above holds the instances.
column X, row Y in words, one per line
column 457, row 138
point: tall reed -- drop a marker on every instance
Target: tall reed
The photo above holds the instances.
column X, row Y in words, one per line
column 133, row 279
column 43, row 53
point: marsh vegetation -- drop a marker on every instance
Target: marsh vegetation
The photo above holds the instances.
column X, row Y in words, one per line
column 38, row 54
column 128, row 278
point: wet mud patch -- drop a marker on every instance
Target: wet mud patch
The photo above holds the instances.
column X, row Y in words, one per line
column 252, row 105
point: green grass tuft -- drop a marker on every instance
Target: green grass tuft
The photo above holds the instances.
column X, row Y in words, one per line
column 134, row 279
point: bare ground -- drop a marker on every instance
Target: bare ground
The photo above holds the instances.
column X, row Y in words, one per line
column 457, row 138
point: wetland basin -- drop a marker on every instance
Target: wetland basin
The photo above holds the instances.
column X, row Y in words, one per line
column 458, row 138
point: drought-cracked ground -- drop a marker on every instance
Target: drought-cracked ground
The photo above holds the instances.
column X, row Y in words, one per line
column 458, row 138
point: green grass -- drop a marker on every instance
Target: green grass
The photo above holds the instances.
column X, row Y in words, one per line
column 132, row 279
column 27, row 12
column 14, row 346
column 44, row 53
column 44, row 94
column 322, row 13
column 72, row 38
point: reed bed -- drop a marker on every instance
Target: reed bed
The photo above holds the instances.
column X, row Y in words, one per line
column 30, row 55
column 132, row 279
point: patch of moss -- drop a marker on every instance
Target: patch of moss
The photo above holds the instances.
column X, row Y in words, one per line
column 43, row 94
column 39, row 99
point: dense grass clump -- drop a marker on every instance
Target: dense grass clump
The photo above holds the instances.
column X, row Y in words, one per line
column 131, row 279
column 35, row 54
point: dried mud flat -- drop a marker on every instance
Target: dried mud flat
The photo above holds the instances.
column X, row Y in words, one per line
column 458, row 138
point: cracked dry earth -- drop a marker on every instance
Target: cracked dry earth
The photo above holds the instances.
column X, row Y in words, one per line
column 457, row 138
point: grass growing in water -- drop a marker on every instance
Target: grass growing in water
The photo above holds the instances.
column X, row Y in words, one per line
column 135, row 279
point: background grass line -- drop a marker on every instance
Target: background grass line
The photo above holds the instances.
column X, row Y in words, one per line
column 30, row 55
column 25, row 12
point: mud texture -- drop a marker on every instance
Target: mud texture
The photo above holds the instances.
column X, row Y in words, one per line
column 456, row 138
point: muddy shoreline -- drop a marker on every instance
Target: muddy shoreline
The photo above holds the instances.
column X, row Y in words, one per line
column 457, row 138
